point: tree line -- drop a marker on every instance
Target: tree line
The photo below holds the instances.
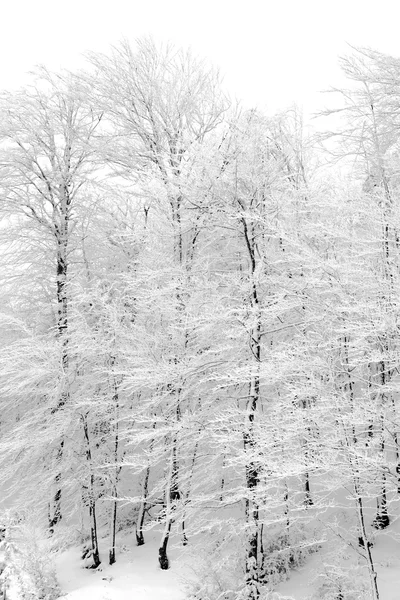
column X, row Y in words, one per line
column 199, row 317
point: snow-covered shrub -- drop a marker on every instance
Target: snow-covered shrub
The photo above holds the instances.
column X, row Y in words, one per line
column 218, row 571
column 30, row 564
column 282, row 554
column 339, row 583
column 219, row 568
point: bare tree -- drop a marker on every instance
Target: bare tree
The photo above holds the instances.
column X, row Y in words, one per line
column 47, row 163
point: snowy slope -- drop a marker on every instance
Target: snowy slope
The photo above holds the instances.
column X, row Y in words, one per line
column 303, row 583
column 136, row 575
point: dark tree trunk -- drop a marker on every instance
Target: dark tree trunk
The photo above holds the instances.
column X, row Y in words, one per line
column 306, row 403
column 92, row 500
column 252, row 566
column 62, row 327
column 142, row 509
column 187, row 495
column 222, row 478
column 111, row 553
column 117, row 469
column 162, row 551
column 93, row 528
column 365, row 542
column 308, row 501
column 287, row 509
column 173, row 496
column 172, row 492
column 382, row 520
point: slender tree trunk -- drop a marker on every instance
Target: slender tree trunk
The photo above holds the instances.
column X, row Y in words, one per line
column 355, row 468
column 187, row 495
column 143, row 503
column 172, row 497
column 287, row 510
column 92, row 500
column 221, row 497
column 308, row 501
column 55, row 507
column 117, row 469
column 365, row 542
column 93, row 526
column 162, row 551
column 62, row 231
column 172, row 492
column 252, row 517
column 382, row 518
column 142, row 508
column 114, row 505
column 113, row 525
column 252, row 566
column 252, row 482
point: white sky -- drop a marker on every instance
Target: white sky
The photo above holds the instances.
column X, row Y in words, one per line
column 272, row 52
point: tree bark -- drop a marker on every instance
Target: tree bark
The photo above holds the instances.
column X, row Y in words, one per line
column 92, row 500
column 142, row 508
column 62, row 327
column 252, row 468
column 117, row 469
column 365, row 542
column 172, row 497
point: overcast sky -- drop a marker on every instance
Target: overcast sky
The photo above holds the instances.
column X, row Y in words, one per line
column 272, row 53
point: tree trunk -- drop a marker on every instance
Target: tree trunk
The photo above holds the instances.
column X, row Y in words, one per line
column 382, row 520
column 172, row 497
column 189, row 485
column 111, row 552
column 308, row 501
column 252, row 468
column 162, row 551
column 252, row 481
column 117, row 469
column 92, row 500
column 252, row 517
column 365, row 542
column 142, row 508
column 62, row 328
column 93, row 527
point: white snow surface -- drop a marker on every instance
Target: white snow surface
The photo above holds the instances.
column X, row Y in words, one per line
column 135, row 575
column 386, row 556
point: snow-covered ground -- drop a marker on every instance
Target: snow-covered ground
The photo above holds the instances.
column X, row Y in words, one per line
column 135, row 576
column 303, row 582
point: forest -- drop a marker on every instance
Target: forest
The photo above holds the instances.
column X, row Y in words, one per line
column 199, row 323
